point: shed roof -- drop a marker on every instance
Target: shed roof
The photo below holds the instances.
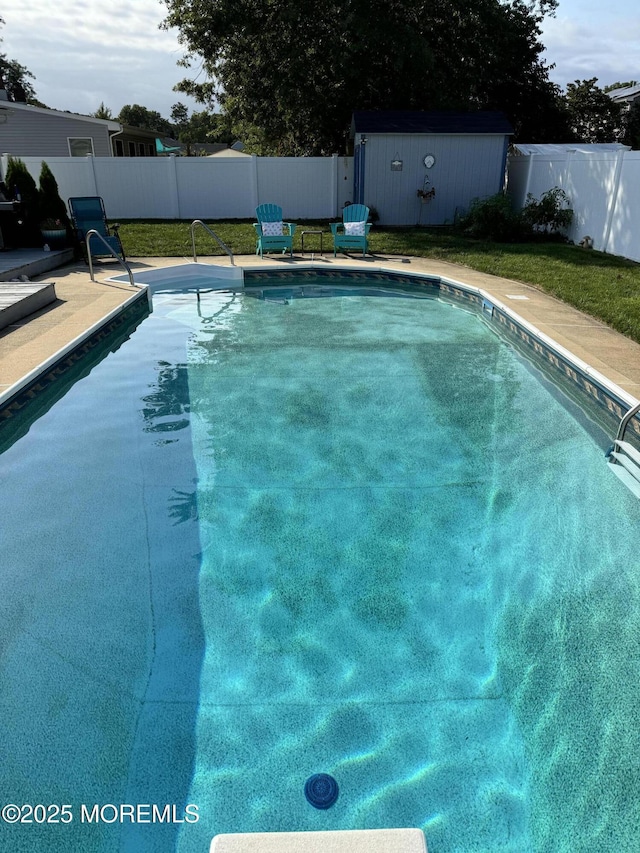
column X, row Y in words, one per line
column 433, row 121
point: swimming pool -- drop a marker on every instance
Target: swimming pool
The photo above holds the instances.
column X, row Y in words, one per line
column 273, row 535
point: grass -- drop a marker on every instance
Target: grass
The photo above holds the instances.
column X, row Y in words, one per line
column 605, row 286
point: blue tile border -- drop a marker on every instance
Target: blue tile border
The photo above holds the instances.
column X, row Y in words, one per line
column 255, row 278
column 598, row 402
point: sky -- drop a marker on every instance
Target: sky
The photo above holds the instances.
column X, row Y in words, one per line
column 86, row 54
column 588, row 38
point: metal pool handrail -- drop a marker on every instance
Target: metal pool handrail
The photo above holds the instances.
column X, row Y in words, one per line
column 93, row 233
column 625, row 420
column 222, row 244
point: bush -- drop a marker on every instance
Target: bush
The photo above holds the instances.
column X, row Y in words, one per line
column 491, row 218
column 51, row 205
column 53, row 211
column 551, row 214
column 20, row 184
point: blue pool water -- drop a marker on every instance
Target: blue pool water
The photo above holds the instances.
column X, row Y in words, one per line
column 268, row 538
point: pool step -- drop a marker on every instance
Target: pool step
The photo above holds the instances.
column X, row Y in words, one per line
column 19, row 299
column 328, row 841
column 624, row 460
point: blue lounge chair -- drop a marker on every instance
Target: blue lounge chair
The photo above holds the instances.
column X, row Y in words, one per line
column 88, row 214
column 273, row 234
column 353, row 231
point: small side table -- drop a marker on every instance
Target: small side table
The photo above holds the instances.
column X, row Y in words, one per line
column 304, row 233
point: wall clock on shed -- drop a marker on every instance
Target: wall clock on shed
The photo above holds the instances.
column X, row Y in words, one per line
column 429, row 161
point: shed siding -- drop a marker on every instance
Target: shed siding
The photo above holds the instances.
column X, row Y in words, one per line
column 27, row 134
column 467, row 167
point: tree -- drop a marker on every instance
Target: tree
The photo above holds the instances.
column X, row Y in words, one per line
column 593, row 115
column 631, row 121
column 206, row 126
column 22, row 186
column 51, row 206
column 137, row 116
column 296, row 76
column 16, row 79
column 103, row 112
column 180, row 118
column 200, row 127
column 630, row 115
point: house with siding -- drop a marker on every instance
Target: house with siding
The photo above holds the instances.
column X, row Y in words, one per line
column 131, row 141
column 27, row 131
column 421, row 168
column 625, row 96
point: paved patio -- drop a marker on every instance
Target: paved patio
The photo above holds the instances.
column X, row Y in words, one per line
column 81, row 303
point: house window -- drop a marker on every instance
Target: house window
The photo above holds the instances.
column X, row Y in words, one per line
column 119, row 148
column 80, row 147
column 152, row 150
column 132, row 149
column 141, row 151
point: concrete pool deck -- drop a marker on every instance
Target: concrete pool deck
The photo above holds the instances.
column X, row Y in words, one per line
column 81, row 303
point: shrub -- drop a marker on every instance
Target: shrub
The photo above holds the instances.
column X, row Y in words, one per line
column 20, row 184
column 491, row 218
column 550, row 215
column 51, row 205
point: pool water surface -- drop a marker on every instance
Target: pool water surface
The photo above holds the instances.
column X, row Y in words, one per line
column 273, row 537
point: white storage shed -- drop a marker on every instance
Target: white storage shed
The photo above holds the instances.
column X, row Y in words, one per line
column 420, row 168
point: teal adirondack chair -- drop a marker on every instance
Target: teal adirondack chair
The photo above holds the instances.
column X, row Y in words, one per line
column 353, row 231
column 273, row 234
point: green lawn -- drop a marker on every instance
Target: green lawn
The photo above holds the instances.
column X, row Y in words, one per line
column 605, row 286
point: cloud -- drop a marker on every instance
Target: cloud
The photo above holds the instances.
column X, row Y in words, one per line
column 84, row 55
column 115, row 53
column 608, row 49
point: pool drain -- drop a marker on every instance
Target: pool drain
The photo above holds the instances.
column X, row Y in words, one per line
column 321, row 790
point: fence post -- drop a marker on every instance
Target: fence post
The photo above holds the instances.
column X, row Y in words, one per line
column 532, row 157
column 528, row 181
column 93, row 174
column 613, row 199
column 4, row 163
column 174, row 190
column 334, row 186
column 567, row 170
column 254, row 180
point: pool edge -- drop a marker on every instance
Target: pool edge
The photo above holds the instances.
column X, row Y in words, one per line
column 13, row 391
column 500, row 317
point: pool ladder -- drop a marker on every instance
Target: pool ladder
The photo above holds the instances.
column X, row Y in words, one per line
column 220, row 242
column 111, row 250
column 623, row 457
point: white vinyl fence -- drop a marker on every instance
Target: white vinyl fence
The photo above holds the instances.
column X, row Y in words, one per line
column 603, row 189
column 204, row 187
